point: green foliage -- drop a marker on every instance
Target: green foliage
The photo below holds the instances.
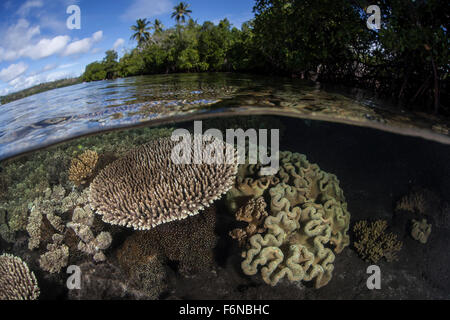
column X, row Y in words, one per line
column 321, row 40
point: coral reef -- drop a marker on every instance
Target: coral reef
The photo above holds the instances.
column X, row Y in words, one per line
column 82, row 221
column 17, row 282
column 254, row 213
column 51, row 206
column 57, row 255
column 412, row 202
column 82, row 167
column 146, row 188
column 373, row 242
column 308, row 213
column 189, row 243
column 421, row 230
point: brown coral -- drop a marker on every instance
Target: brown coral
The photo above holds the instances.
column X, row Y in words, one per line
column 189, row 243
column 146, row 188
column 17, row 282
column 82, row 167
column 254, row 212
column 373, row 242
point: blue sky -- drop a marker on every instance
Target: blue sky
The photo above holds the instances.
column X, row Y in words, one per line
column 36, row 46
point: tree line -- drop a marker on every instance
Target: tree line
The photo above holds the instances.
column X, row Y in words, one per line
column 407, row 60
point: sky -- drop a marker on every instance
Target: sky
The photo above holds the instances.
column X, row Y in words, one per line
column 36, row 45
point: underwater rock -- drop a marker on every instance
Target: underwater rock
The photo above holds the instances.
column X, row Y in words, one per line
column 17, row 282
column 308, row 213
column 146, row 188
column 104, row 282
column 373, row 242
column 421, row 230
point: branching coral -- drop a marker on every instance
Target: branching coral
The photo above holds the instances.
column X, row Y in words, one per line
column 421, row 230
column 373, row 242
column 57, row 255
column 82, row 220
column 254, row 213
column 412, row 202
column 308, row 213
column 17, row 282
column 82, row 167
column 146, row 188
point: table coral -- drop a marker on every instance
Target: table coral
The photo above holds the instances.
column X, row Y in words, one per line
column 421, row 230
column 17, row 282
column 146, row 188
column 373, row 242
column 308, row 215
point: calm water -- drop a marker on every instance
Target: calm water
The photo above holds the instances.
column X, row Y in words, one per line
column 64, row 113
column 391, row 166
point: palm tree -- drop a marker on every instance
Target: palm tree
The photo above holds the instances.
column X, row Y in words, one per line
column 142, row 34
column 158, row 26
column 180, row 12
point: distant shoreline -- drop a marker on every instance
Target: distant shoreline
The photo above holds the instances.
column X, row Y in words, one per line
column 38, row 89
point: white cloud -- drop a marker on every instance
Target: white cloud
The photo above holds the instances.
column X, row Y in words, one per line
column 83, row 45
column 119, row 42
column 13, row 71
column 146, row 9
column 27, row 6
column 45, row 47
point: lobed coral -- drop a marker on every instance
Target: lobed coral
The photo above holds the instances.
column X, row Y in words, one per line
column 82, row 167
column 254, row 213
column 146, row 188
column 373, row 242
column 421, row 230
column 17, row 282
column 308, row 214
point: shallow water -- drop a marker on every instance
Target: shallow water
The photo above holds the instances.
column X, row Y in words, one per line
column 396, row 178
column 60, row 114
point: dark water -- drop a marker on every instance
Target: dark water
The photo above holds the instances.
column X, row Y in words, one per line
column 391, row 166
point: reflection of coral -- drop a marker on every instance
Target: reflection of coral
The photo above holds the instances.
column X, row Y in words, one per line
column 82, row 221
column 421, row 230
column 146, row 188
column 17, row 282
column 188, row 242
column 307, row 212
column 373, row 242
column 82, row 167
column 254, row 212
column 56, row 257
